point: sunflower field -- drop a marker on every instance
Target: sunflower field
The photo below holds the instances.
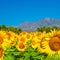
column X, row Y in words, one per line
column 35, row 45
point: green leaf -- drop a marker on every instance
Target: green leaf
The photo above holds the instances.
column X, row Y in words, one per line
column 16, row 53
column 8, row 57
column 29, row 49
column 27, row 58
column 20, row 58
column 10, row 49
column 26, row 54
column 54, row 57
column 6, row 53
column 34, row 54
column 37, row 57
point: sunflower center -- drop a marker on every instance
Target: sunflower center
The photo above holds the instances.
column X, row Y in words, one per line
column 28, row 36
column 13, row 42
column 22, row 39
column 54, row 44
column 21, row 46
column 33, row 42
column 23, row 33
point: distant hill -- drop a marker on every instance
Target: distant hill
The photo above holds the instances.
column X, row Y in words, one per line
column 48, row 22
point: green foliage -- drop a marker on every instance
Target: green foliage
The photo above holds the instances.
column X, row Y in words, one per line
column 29, row 54
column 54, row 57
column 10, row 28
column 18, row 30
column 8, row 57
column 47, row 29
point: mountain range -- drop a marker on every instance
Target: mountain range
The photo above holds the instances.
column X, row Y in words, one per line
column 32, row 26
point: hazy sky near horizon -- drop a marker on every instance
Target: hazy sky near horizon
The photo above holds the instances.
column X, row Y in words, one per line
column 14, row 12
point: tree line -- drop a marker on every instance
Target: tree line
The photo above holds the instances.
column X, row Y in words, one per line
column 10, row 28
column 47, row 29
column 19, row 30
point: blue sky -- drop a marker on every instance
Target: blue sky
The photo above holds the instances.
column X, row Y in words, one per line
column 15, row 12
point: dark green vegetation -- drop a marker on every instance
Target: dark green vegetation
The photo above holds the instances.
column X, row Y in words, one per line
column 10, row 28
column 18, row 30
column 47, row 29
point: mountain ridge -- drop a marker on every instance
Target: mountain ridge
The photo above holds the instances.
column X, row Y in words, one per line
column 32, row 26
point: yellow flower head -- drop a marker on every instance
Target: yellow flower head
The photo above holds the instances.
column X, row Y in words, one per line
column 23, row 34
column 34, row 42
column 1, row 39
column 50, row 45
column 21, row 46
column 28, row 36
column 1, row 53
column 22, row 39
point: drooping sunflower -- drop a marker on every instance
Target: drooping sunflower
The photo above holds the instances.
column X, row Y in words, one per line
column 51, row 44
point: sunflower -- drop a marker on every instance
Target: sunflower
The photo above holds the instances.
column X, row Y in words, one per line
column 41, row 35
column 8, row 35
column 54, row 33
column 6, row 39
column 23, row 34
column 37, row 38
column 28, row 36
column 22, row 39
column 10, row 38
column 13, row 43
column 50, row 45
column 14, row 39
column 1, row 53
column 21, row 46
column 1, row 39
column 32, row 33
column 34, row 42
column 5, row 44
column 37, row 33
column 16, row 36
